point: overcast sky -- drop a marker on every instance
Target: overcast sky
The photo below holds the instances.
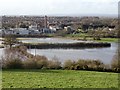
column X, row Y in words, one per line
column 58, row 7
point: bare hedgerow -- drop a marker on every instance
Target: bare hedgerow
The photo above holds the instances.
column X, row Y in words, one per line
column 12, row 59
column 69, row 64
column 84, row 65
column 11, row 63
column 30, row 64
column 115, row 63
column 42, row 61
column 54, row 64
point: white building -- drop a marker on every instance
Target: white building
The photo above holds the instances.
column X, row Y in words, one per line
column 47, row 30
column 16, row 31
column 21, row 31
column 24, row 31
column 53, row 28
column 33, row 27
column 34, row 31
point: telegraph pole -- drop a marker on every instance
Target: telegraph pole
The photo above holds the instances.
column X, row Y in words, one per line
column 35, row 52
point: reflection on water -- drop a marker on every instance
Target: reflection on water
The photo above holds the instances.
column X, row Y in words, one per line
column 103, row 54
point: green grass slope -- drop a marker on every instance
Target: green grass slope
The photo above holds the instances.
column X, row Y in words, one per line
column 58, row 79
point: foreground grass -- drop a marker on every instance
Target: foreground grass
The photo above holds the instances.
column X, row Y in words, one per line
column 58, row 79
column 0, row 79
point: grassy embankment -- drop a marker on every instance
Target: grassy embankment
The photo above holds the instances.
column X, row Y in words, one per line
column 81, row 37
column 58, row 79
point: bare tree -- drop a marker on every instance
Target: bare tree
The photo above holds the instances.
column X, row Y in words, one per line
column 10, row 40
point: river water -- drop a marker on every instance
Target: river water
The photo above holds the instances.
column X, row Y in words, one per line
column 50, row 40
column 103, row 54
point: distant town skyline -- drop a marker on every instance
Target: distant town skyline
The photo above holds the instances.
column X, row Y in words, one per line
column 59, row 7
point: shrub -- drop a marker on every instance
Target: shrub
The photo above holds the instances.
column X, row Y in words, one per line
column 78, row 67
column 115, row 63
column 12, row 64
column 97, row 62
column 30, row 64
column 81, row 64
column 42, row 61
column 84, row 65
column 68, row 64
column 19, row 54
column 54, row 64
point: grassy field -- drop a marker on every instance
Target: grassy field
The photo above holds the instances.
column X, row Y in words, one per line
column 58, row 79
column 81, row 36
column 108, row 40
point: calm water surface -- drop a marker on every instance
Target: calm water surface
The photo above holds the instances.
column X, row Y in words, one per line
column 50, row 40
column 103, row 54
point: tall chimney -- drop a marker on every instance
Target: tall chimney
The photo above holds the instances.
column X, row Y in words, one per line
column 0, row 21
column 45, row 22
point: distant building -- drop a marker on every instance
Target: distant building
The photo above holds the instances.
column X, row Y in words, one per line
column 69, row 29
column 16, row 31
column 33, row 27
column 21, row 31
column 53, row 28
column 46, row 31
